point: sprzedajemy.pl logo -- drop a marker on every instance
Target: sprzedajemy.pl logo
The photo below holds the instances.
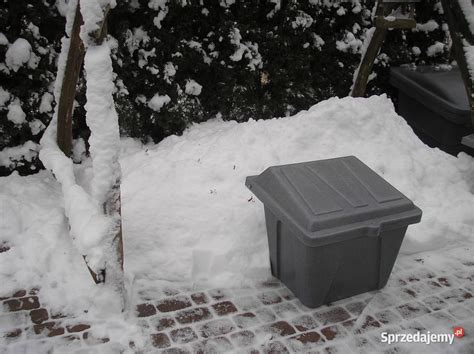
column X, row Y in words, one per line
column 422, row 337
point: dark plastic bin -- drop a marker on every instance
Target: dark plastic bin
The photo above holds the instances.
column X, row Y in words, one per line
column 334, row 227
column 434, row 102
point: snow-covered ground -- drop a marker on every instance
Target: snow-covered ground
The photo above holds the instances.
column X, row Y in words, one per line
column 188, row 217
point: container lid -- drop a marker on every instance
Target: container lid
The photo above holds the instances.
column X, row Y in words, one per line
column 335, row 196
column 441, row 90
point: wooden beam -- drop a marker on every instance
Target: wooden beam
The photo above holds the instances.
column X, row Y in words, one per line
column 365, row 68
column 399, row 23
column 68, row 88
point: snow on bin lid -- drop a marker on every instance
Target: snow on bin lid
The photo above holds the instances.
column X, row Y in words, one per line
column 331, row 193
column 439, row 89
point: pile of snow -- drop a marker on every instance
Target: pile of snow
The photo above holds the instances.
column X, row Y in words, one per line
column 18, row 54
column 187, row 215
column 15, row 113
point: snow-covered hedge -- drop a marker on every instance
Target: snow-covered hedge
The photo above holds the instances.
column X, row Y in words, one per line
column 178, row 62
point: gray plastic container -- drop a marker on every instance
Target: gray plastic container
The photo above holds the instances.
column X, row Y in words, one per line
column 434, row 102
column 334, row 227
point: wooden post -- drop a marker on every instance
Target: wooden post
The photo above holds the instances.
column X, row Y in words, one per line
column 378, row 37
column 74, row 61
column 459, row 30
column 365, row 68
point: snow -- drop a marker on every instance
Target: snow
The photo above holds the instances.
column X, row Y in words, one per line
column 12, row 156
column 46, row 103
column 468, row 10
column 3, row 39
column 429, row 26
column 248, row 50
column 36, row 126
column 435, row 49
column 162, row 7
column 4, row 97
column 193, row 88
column 169, row 71
column 187, row 215
column 15, row 113
column 469, row 53
column 157, row 102
column 303, row 20
column 18, row 54
column 350, row 43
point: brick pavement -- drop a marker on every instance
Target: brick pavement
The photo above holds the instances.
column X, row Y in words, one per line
column 432, row 291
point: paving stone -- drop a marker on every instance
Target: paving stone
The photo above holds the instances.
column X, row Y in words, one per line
column 286, row 294
column 269, row 297
column 168, row 291
column 368, row 323
column 413, row 326
column 162, row 323
column 160, row 340
column 145, row 310
column 247, row 303
column 199, row 298
column 333, row 332
column 173, row 304
column 412, row 310
column 361, row 344
column 434, row 286
column 176, row 350
column 14, row 333
column 304, row 323
column 438, row 319
column 285, row 310
column 388, row 317
column 434, row 303
column 183, row 335
column 243, row 338
column 350, row 324
column 274, row 347
column 193, row 315
column 25, row 303
column 224, row 308
column 308, row 340
column 447, row 281
column 39, row 316
column 213, row 345
column 19, row 293
column 265, row 315
column 383, row 300
column 340, row 348
column 333, row 315
column 460, row 312
column 456, row 295
column 246, row 320
column 50, row 329
column 219, row 294
column 278, row 329
column 356, row 307
column 272, row 283
column 14, row 319
column 216, row 328
column 91, row 339
column 77, row 328
column 4, row 247
column 412, row 293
